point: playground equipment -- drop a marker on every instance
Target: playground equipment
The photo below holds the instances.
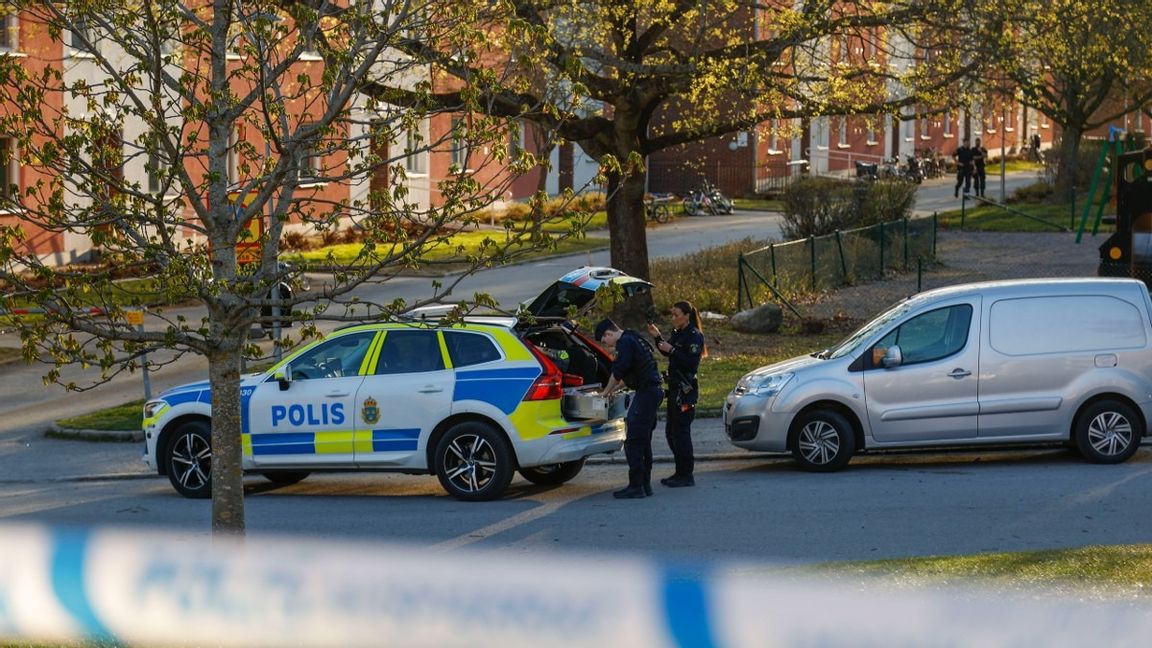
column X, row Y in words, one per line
column 1128, row 251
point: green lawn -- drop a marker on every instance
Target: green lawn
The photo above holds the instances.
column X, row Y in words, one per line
column 1019, row 217
column 1120, row 571
column 458, row 249
column 128, row 416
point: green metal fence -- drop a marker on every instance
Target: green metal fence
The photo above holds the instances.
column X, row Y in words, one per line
column 818, row 263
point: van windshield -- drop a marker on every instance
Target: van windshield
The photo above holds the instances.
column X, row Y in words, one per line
column 850, row 344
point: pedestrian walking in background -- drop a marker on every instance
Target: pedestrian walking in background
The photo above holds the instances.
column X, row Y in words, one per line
column 963, row 158
column 635, row 368
column 684, row 349
column 979, row 161
column 1035, row 146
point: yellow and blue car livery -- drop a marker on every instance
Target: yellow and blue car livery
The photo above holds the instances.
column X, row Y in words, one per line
column 388, row 396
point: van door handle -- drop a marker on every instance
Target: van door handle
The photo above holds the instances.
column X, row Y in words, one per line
column 336, row 394
column 960, row 373
column 430, row 389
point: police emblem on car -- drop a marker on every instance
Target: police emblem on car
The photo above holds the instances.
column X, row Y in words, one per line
column 370, row 412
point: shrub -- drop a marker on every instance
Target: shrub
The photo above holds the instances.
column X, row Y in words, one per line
column 295, row 240
column 1037, row 192
column 816, row 206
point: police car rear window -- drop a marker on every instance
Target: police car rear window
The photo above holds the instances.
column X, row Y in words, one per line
column 470, row 348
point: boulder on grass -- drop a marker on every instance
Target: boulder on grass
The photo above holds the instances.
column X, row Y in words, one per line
column 762, row 319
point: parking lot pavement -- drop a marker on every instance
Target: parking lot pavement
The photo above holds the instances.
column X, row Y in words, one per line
column 709, row 443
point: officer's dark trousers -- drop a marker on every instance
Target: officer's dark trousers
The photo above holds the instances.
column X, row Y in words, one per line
column 678, row 431
column 980, row 181
column 640, row 422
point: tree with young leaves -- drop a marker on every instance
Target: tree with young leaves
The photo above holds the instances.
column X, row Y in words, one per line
column 624, row 79
column 1082, row 64
column 173, row 136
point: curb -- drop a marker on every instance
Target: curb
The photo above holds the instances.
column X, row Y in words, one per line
column 77, row 434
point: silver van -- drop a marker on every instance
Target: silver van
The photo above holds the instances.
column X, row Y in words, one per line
column 1004, row 362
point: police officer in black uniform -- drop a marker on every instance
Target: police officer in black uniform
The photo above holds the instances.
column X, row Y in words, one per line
column 635, row 368
column 683, row 349
column 979, row 173
column 963, row 157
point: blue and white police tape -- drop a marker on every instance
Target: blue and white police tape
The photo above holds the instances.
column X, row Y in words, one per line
column 148, row 588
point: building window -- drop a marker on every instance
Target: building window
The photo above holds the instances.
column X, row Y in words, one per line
column 154, row 162
column 908, row 126
column 309, row 157
column 774, row 137
column 9, row 170
column 948, row 124
column 83, row 36
column 516, row 138
column 925, row 127
column 842, row 134
column 414, row 160
column 820, row 132
column 459, row 145
column 8, row 33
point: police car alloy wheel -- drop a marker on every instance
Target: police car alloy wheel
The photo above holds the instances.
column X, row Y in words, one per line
column 553, row 474
column 473, row 462
column 188, row 458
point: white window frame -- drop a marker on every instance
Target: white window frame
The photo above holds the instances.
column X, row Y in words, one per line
column 774, row 137
column 233, row 157
column 460, row 150
column 74, row 35
column 309, row 161
column 842, row 133
column 948, row 124
column 820, row 133
column 9, row 33
column 415, row 154
column 925, row 127
column 11, row 170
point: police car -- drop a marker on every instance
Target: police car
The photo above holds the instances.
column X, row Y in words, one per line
column 471, row 402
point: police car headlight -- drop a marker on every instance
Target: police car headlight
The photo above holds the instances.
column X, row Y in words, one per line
column 152, row 407
column 763, row 384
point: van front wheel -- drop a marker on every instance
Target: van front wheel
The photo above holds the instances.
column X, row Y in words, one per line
column 1108, row 432
column 824, row 441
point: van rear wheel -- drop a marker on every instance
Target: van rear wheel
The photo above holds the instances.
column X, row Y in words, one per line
column 1108, row 432
column 823, row 441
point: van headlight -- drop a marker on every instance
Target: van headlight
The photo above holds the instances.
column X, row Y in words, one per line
column 763, row 384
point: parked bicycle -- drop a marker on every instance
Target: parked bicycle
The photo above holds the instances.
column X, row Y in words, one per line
column 657, row 207
column 707, row 199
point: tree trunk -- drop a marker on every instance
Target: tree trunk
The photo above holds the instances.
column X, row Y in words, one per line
column 629, row 239
column 227, row 452
column 1069, row 164
column 629, row 243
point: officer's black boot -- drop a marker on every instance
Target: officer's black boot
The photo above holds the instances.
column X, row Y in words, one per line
column 630, row 492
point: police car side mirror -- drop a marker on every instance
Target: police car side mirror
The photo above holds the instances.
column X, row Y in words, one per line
column 284, row 377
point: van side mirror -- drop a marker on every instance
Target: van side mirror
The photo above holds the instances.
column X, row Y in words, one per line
column 283, row 376
column 893, row 357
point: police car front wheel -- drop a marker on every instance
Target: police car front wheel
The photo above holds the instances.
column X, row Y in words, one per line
column 553, row 474
column 188, row 459
column 473, row 462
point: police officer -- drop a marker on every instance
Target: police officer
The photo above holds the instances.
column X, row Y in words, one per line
column 635, row 368
column 963, row 157
column 683, row 349
column 979, row 173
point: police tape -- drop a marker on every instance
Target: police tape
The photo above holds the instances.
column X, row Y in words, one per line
column 145, row 588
